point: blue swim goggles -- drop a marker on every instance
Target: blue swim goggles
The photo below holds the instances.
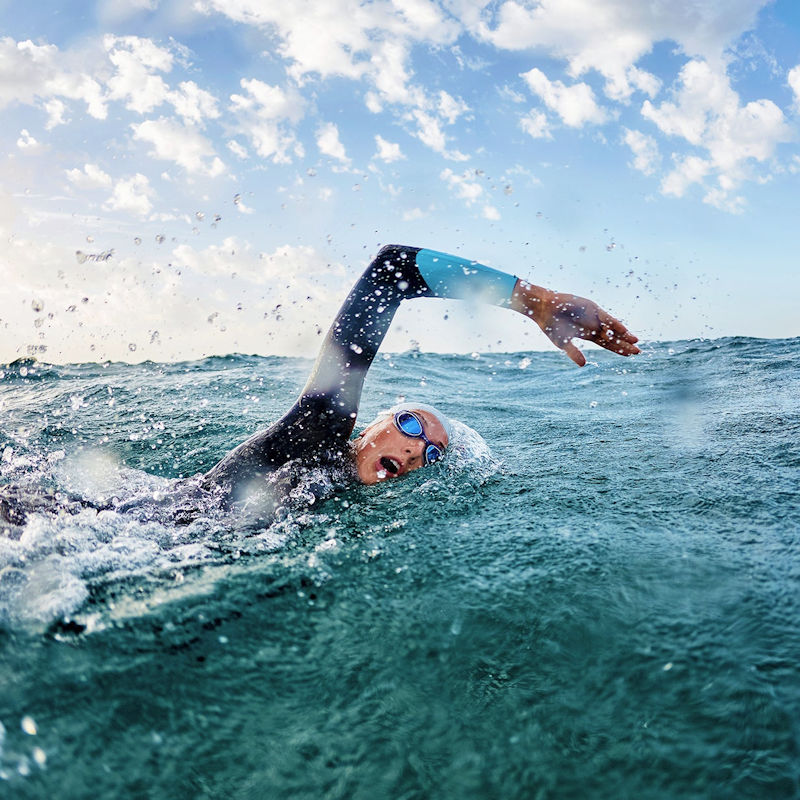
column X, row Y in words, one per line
column 410, row 424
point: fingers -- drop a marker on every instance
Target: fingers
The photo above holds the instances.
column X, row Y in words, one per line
column 620, row 347
column 618, row 328
column 573, row 353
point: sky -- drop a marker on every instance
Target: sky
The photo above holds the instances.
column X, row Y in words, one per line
column 182, row 178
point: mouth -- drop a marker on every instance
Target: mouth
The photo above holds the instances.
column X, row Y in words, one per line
column 390, row 465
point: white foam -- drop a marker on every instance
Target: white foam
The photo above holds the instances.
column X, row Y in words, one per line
column 47, row 573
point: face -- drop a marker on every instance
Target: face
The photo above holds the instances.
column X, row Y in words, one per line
column 383, row 451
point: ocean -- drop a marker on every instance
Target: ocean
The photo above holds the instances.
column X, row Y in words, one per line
column 596, row 596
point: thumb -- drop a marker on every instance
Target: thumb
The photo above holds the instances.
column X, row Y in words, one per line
column 574, row 353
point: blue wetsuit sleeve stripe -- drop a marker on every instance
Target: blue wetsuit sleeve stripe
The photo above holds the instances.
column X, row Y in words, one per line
column 452, row 276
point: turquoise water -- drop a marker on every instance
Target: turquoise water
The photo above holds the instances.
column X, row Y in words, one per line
column 605, row 606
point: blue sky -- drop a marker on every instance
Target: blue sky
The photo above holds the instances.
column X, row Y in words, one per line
column 186, row 177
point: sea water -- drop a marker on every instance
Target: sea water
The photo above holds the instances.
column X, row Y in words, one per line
column 597, row 597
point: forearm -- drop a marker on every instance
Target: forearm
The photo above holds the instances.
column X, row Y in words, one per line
column 456, row 277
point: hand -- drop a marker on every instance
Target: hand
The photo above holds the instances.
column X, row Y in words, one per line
column 564, row 317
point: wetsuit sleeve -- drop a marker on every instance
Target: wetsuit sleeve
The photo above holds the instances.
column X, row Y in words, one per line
column 324, row 414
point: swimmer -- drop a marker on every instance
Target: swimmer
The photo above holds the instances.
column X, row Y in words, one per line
column 317, row 428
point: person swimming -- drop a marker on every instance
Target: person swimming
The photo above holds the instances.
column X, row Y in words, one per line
column 316, row 430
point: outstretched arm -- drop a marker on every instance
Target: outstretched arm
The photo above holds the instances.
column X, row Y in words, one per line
column 400, row 273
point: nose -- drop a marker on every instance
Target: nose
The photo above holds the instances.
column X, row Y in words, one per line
column 415, row 449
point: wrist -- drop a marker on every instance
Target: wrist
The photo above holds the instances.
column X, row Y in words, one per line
column 531, row 300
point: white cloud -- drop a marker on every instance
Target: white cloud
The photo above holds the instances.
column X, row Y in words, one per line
column 55, row 112
column 646, row 157
column 27, row 142
column 793, row 79
column 193, row 103
column 465, row 187
column 491, row 213
column 611, row 36
column 329, row 144
column 429, row 132
column 135, row 82
column 688, row 170
column 31, row 73
column 265, row 114
column 136, row 61
column 185, row 146
column 344, row 38
column 412, row 214
column 387, row 151
column 237, row 149
column 720, row 198
column 91, row 177
column 360, row 41
column 221, row 299
column 450, row 108
column 513, row 96
column 132, row 195
column 707, row 113
column 574, row 104
column 535, row 124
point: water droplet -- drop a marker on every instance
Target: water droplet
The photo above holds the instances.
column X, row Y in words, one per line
column 593, row 404
column 37, row 305
column 200, row 215
column 137, row 240
column 237, row 198
column 132, row 347
column 356, row 349
column 160, row 238
column 39, row 756
column 28, row 725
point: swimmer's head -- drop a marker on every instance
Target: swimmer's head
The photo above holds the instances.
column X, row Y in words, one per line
column 384, row 451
